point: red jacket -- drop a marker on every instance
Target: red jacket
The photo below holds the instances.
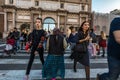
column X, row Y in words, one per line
column 11, row 41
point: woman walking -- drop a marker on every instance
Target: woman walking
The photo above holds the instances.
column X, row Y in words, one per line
column 83, row 57
column 71, row 39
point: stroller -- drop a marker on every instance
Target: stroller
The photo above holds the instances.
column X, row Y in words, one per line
column 10, row 46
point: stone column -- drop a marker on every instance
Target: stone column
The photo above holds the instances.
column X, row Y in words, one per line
column 58, row 24
column 6, row 1
column 5, row 25
column 80, row 19
column 5, row 22
column 15, row 2
column 65, row 22
column 32, row 21
column 32, row 2
column 14, row 19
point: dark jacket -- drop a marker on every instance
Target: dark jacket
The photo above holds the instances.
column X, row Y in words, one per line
column 80, row 35
column 71, row 38
column 56, row 45
column 36, row 37
column 76, row 55
column 16, row 35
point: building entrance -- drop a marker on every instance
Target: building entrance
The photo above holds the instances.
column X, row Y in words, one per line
column 49, row 24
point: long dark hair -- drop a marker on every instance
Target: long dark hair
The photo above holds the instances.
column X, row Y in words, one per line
column 81, row 27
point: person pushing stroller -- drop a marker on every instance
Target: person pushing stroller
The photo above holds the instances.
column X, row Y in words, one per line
column 10, row 44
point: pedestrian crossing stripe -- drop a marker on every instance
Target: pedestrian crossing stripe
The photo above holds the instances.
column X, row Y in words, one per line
column 19, row 73
column 23, row 51
column 37, row 74
column 37, row 61
column 1, row 45
column 45, row 54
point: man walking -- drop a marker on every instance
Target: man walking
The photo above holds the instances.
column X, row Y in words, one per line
column 37, row 45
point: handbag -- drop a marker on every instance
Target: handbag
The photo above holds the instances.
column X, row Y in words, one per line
column 27, row 46
column 80, row 48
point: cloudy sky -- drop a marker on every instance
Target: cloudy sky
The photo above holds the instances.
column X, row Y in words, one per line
column 105, row 6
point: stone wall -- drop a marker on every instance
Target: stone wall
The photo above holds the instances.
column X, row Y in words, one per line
column 101, row 22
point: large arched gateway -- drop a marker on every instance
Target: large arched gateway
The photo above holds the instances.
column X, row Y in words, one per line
column 49, row 24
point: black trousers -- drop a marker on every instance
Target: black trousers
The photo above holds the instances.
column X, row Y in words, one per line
column 32, row 56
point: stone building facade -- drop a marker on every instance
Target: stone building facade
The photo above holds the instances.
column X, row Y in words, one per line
column 1, row 19
column 54, row 13
column 115, row 12
column 101, row 22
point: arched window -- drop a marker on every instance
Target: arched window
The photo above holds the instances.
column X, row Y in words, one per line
column 48, row 24
column 11, row 1
column 97, row 28
column 104, row 28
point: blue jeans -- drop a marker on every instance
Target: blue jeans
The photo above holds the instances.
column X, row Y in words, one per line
column 114, row 70
column 17, row 45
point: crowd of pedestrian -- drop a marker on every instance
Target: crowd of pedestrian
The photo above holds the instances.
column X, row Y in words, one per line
column 56, row 43
column 84, row 44
column 12, row 42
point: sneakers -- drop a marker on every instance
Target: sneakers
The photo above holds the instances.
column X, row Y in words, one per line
column 98, row 75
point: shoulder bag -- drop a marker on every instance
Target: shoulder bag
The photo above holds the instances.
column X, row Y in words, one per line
column 80, row 48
